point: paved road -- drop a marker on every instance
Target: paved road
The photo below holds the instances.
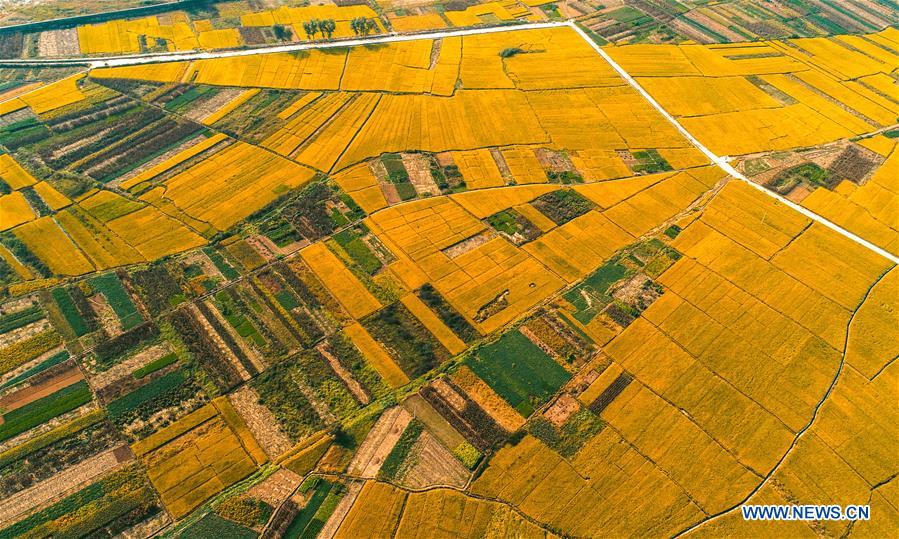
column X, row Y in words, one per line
column 723, row 163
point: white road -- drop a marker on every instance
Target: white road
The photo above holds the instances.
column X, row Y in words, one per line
column 722, row 162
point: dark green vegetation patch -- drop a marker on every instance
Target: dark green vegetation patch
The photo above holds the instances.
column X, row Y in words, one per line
column 520, row 372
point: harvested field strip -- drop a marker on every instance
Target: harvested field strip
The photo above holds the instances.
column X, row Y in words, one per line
column 379, row 442
column 376, row 356
column 230, row 106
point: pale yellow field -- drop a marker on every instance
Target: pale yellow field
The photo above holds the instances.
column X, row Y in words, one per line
column 14, row 210
column 48, row 242
column 340, row 281
column 13, row 174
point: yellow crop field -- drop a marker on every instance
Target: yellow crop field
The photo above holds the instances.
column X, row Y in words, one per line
column 855, row 96
column 314, row 114
column 111, row 36
column 478, row 168
column 54, row 95
column 697, row 96
column 868, row 210
column 616, row 474
column 404, row 67
column 468, row 119
column 102, row 246
column 237, row 424
column 375, row 513
column 879, row 144
column 448, row 513
column 20, row 269
column 167, row 72
column 578, row 247
column 122, row 36
column 871, row 339
column 13, row 174
column 764, row 130
column 14, row 210
column 524, row 165
column 228, row 107
column 175, row 160
column 190, row 465
column 830, row 56
column 598, row 165
column 360, row 183
column 340, row 281
column 753, row 220
column 532, row 214
column 485, row 204
column 226, row 38
column 473, row 15
column 233, row 183
column 323, row 150
column 154, row 234
column 473, row 281
column 53, row 198
column 659, row 202
column 376, row 356
column 487, row 399
column 306, row 70
column 299, row 104
column 496, row 269
column 429, row 320
column 850, row 268
column 48, row 242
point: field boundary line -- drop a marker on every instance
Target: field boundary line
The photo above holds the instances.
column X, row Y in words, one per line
column 722, row 162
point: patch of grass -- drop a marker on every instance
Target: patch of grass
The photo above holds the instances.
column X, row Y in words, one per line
column 146, row 393
column 155, row 365
column 110, row 286
column 520, row 372
column 352, row 243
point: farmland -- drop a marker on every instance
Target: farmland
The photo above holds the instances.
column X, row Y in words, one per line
column 463, row 285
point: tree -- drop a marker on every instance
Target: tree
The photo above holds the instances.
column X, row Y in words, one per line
column 327, row 26
column 310, row 27
column 282, row 33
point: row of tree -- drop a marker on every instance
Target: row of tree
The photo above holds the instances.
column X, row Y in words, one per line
column 363, row 25
column 325, row 27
